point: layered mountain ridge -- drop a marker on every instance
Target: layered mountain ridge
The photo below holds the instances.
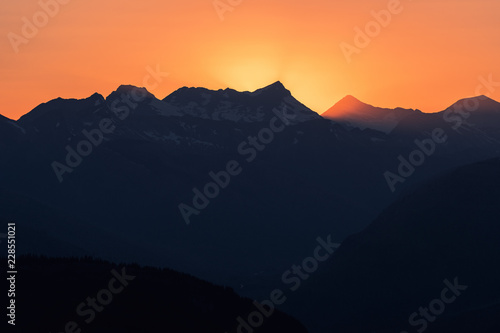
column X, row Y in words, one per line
column 121, row 166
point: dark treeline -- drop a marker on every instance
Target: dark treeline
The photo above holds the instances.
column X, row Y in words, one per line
column 50, row 290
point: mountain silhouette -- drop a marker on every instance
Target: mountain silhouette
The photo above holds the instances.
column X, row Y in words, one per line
column 353, row 112
column 106, row 176
column 231, row 105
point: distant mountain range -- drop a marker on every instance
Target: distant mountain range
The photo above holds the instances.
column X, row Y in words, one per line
column 352, row 111
column 235, row 187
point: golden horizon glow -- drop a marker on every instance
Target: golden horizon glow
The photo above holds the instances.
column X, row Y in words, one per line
column 428, row 56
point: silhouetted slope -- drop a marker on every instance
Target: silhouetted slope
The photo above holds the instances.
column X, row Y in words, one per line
column 10, row 133
column 353, row 112
column 447, row 228
column 49, row 292
column 45, row 230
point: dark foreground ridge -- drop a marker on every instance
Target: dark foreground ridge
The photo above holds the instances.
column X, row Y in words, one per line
column 55, row 294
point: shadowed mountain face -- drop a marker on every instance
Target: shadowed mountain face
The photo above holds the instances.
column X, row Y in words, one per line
column 129, row 298
column 150, row 157
column 469, row 114
column 446, row 229
column 353, row 112
column 472, row 127
column 9, row 130
column 229, row 186
column 237, row 106
column 478, row 114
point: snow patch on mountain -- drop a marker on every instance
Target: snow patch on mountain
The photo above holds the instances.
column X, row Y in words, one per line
column 164, row 109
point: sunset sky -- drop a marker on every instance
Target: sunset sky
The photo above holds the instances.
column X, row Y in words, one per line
column 428, row 55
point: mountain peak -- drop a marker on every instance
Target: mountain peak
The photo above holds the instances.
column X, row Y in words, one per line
column 350, row 98
column 237, row 106
column 276, row 87
column 480, row 102
column 358, row 114
column 126, row 89
column 347, row 105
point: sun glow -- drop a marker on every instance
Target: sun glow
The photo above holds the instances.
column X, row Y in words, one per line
column 248, row 74
column 422, row 59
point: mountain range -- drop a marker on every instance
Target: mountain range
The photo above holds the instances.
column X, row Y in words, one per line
column 235, row 187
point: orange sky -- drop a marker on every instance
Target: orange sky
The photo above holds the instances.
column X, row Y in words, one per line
column 429, row 55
